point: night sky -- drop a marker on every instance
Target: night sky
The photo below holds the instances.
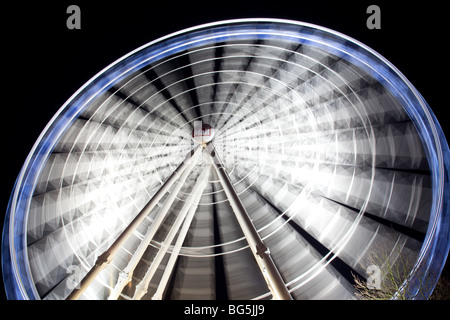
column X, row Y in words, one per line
column 46, row 63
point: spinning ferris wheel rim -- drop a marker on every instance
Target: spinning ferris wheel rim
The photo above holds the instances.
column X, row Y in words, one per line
column 435, row 246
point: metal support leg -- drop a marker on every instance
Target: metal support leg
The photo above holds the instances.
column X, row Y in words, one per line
column 260, row 251
column 126, row 274
column 141, row 288
column 181, row 236
column 105, row 258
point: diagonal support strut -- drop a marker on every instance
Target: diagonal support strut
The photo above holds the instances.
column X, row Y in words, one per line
column 260, row 251
column 106, row 257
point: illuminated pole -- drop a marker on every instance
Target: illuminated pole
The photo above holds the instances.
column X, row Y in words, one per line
column 203, row 180
column 260, row 251
column 126, row 274
column 191, row 202
column 106, row 257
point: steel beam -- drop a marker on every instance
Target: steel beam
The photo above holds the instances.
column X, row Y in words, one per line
column 126, row 274
column 203, row 181
column 260, row 251
column 106, row 257
column 141, row 288
column 219, row 268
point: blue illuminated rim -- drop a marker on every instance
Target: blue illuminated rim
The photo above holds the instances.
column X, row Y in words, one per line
column 16, row 272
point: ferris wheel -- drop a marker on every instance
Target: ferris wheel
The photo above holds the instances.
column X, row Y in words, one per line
column 241, row 159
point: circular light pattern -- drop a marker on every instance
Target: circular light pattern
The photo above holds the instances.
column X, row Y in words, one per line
column 337, row 159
